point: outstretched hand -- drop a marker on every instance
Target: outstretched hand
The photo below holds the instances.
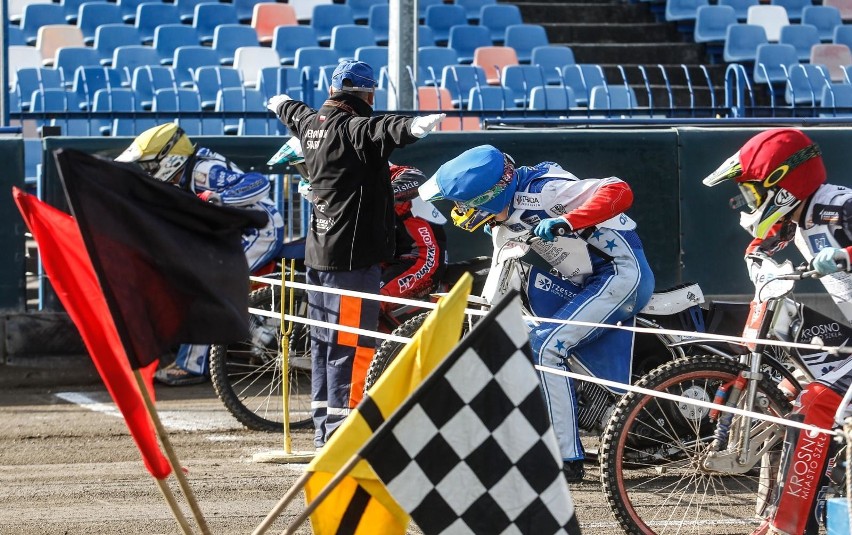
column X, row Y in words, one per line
column 274, row 103
column 830, row 260
column 421, row 126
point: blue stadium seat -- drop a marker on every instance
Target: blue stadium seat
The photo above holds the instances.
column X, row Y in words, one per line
column 431, row 61
column 146, row 80
column 209, row 80
column 498, row 17
column 70, row 57
column 490, row 98
column 127, row 58
column 793, row 7
column 93, row 14
column 837, row 96
column 37, row 15
column 361, row 8
column 473, row 7
column 345, row 38
column 227, row 38
column 581, row 78
column 377, row 19
column 552, row 98
column 128, row 9
column 742, row 41
column 189, row 58
column 175, row 101
column 843, row 35
column 441, row 18
column 802, row 37
column 245, row 9
column 72, row 9
column 551, row 59
column 374, row 56
column 740, row 7
column 772, row 63
column 612, row 97
column 240, row 99
column 460, row 79
column 288, row 39
column 273, row 81
column 50, row 102
column 520, row 79
column 310, row 58
column 683, row 10
column 380, row 99
column 149, row 15
column 170, row 37
column 132, row 127
column 523, row 38
column 323, row 81
column 825, row 18
column 186, row 9
column 465, row 38
column 108, row 37
column 87, row 80
column 425, row 36
column 208, row 15
column 112, row 100
column 16, row 36
column 711, row 23
column 30, row 79
column 326, row 17
column 805, row 84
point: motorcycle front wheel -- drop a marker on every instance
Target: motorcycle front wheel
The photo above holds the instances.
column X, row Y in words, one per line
column 247, row 375
column 653, row 454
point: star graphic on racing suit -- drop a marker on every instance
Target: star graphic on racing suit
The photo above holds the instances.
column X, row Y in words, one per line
column 562, row 352
column 597, row 234
column 560, row 345
column 610, row 245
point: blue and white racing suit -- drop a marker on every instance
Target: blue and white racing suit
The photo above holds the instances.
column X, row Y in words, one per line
column 212, row 172
column 605, row 258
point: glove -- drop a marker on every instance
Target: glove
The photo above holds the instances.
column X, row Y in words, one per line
column 305, row 190
column 753, row 262
column 830, row 260
column 274, row 103
column 549, row 229
column 211, row 197
column 420, row 126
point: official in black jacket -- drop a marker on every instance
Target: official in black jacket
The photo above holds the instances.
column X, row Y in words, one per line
column 352, row 227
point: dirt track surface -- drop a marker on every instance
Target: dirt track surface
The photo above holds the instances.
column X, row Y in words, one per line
column 69, row 466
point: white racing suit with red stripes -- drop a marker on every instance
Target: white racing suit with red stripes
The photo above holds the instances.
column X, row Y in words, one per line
column 808, row 457
column 616, row 282
column 212, row 173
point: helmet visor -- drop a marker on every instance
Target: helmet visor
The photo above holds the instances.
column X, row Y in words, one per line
column 469, row 219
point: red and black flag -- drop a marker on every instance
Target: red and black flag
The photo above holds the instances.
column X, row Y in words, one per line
column 140, row 267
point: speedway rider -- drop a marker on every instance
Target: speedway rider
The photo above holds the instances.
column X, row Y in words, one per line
column 781, row 177
column 167, row 154
column 600, row 251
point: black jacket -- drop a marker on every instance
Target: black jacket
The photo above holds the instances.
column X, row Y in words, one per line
column 346, row 153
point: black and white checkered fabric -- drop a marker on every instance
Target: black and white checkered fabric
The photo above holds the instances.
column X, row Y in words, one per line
column 472, row 450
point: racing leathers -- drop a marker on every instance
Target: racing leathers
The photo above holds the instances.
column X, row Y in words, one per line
column 825, row 221
column 604, row 257
column 351, row 233
column 421, row 251
column 215, row 179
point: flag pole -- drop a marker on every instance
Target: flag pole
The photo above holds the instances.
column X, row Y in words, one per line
column 282, row 504
column 173, row 505
column 170, row 454
column 323, row 494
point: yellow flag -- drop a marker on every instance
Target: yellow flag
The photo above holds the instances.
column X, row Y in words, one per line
column 360, row 504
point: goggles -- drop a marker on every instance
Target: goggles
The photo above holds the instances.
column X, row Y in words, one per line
column 752, row 195
column 469, row 219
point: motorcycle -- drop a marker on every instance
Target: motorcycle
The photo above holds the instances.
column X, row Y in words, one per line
column 619, row 355
column 673, row 467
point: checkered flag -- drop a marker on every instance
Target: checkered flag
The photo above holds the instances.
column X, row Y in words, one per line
column 472, row 449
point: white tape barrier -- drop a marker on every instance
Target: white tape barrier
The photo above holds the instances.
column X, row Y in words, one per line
column 545, row 369
column 685, row 335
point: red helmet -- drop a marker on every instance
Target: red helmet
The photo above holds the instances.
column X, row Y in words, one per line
column 405, row 181
column 776, row 170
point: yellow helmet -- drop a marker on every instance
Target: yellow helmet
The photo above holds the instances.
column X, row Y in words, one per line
column 162, row 151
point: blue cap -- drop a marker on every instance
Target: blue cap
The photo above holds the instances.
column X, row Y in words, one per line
column 481, row 177
column 358, row 73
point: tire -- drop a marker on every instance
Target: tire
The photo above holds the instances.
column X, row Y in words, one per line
column 652, row 454
column 389, row 350
column 247, row 375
